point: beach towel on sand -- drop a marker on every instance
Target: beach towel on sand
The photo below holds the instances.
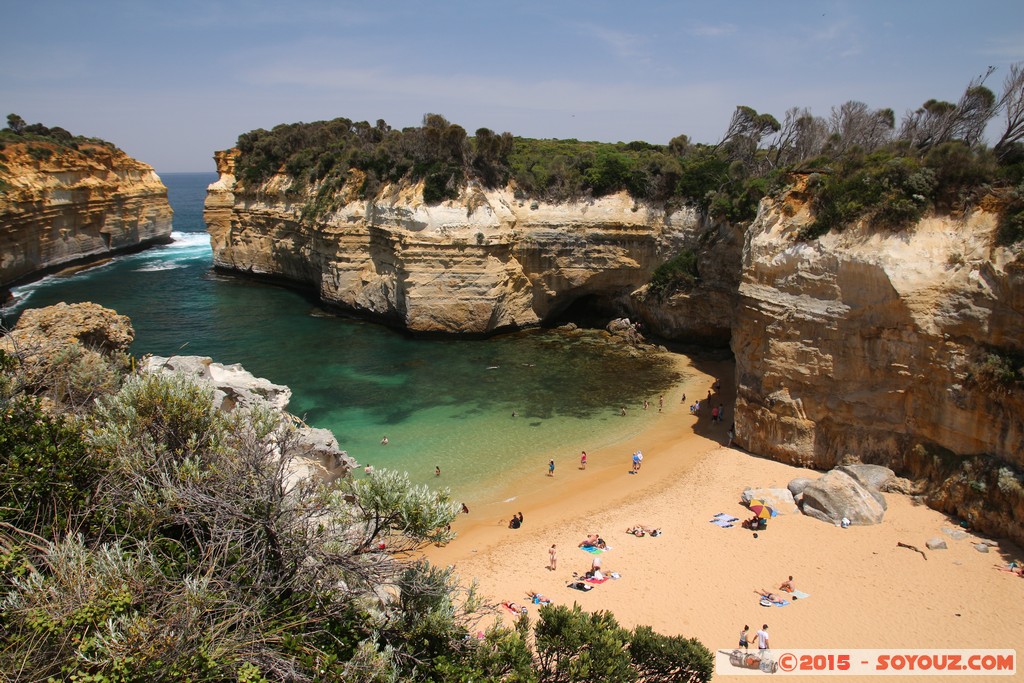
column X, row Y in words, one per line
column 723, row 520
column 594, row 550
column 599, row 581
column 800, row 595
column 765, row 602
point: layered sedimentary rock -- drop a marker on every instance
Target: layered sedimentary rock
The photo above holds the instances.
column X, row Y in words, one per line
column 869, row 346
column 60, row 205
column 485, row 262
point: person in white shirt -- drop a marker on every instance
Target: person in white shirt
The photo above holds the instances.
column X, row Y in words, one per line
column 762, row 639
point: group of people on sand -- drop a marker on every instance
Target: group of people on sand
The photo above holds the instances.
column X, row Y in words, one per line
column 516, row 521
column 787, row 586
column 641, row 530
column 761, row 637
column 593, row 541
column 638, row 461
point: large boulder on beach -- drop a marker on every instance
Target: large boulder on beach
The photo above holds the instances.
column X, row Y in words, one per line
column 837, row 495
column 797, row 486
column 874, row 478
column 780, row 500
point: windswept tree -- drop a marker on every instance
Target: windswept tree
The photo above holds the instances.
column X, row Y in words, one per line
column 743, row 137
column 855, row 125
column 1011, row 103
column 801, row 137
column 938, row 122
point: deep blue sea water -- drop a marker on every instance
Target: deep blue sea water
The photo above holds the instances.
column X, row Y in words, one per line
column 446, row 403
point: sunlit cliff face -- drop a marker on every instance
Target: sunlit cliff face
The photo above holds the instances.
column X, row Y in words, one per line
column 61, row 205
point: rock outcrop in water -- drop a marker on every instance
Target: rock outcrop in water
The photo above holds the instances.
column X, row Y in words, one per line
column 234, row 388
column 483, row 263
column 872, row 346
column 61, row 205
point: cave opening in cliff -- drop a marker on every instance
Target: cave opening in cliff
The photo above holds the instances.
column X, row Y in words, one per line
column 590, row 310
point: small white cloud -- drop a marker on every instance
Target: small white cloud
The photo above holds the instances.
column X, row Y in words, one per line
column 624, row 45
column 713, row 30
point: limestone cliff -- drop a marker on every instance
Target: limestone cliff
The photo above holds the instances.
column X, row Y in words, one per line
column 485, row 262
column 868, row 346
column 60, row 205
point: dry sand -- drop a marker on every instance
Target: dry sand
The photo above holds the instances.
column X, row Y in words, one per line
column 699, row 580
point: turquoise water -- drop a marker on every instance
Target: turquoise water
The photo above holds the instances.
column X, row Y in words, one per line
column 441, row 403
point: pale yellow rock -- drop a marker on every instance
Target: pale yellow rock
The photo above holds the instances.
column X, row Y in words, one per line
column 75, row 205
column 484, row 262
column 862, row 345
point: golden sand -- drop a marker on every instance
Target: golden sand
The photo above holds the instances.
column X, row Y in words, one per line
column 700, row 580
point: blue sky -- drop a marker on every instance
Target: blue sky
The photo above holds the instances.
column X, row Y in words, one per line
column 170, row 82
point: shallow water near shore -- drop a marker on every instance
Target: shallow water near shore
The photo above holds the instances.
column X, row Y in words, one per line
column 441, row 403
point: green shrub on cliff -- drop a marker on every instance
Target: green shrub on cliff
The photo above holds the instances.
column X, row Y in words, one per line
column 19, row 131
column 677, row 274
column 999, row 372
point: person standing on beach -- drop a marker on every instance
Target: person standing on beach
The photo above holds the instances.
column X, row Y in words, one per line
column 683, row 399
column 762, row 639
column 732, row 435
column 583, row 460
column 552, row 558
column 744, row 641
column 551, row 468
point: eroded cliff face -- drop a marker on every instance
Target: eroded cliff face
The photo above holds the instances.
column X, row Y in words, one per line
column 476, row 265
column 866, row 346
column 75, row 206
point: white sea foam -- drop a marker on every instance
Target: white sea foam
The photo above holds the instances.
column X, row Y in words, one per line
column 189, row 239
column 156, row 267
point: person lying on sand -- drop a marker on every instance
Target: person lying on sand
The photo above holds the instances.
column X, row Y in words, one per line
column 514, row 607
column 765, row 594
column 641, row 530
column 1013, row 568
column 538, row 599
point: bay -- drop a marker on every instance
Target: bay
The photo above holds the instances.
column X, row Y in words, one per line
column 441, row 402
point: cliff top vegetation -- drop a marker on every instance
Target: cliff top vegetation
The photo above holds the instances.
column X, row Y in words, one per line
column 146, row 536
column 42, row 142
column 862, row 165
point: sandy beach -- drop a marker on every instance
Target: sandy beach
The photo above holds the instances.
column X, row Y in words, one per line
column 700, row 580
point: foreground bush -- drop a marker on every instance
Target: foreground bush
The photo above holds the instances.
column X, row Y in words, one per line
column 145, row 536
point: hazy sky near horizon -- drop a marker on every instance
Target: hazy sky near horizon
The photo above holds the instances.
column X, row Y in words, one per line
column 171, row 82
